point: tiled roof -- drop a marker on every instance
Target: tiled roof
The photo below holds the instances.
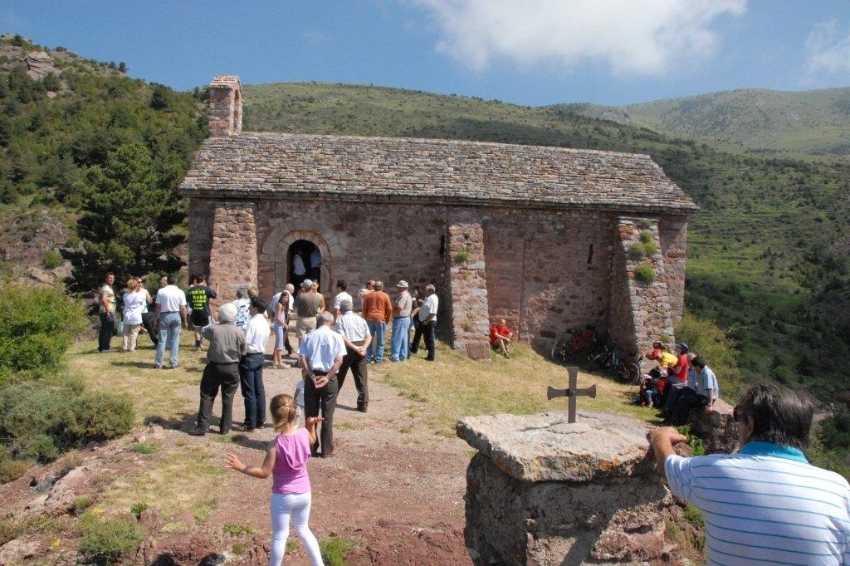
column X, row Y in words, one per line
column 266, row 165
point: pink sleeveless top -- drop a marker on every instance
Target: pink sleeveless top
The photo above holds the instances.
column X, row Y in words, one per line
column 290, row 466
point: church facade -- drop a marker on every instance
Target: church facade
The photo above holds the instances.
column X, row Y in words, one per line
column 547, row 238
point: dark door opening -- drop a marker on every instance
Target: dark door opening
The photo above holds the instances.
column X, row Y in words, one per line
column 303, row 261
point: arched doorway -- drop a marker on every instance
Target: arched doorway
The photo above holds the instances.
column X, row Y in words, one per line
column 303, row 261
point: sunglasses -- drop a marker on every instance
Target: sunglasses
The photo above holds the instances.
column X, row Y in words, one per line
column 738, row 414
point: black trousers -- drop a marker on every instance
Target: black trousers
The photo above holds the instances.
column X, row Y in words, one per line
column 322, row 400
column 360, row 371
column 226, row 377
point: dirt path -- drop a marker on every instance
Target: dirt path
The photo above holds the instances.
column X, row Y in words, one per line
column 392, row 485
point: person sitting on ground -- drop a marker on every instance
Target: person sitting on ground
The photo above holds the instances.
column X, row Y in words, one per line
column 500, row 337
column 765, row 504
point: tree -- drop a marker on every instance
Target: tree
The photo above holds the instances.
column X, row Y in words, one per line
column 128, row 220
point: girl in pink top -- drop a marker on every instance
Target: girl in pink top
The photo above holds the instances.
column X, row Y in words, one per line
column 286, row 459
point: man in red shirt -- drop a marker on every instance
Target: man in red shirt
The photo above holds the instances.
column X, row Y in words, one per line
column 500, row 337
column 378, row 311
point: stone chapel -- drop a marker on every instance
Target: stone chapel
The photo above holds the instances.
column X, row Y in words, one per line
column 544, row 237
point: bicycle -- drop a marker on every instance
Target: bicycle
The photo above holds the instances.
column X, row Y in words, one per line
column 574, row 341
column 628, row 371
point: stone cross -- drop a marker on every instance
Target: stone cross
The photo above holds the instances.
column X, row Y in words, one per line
column 572, row 393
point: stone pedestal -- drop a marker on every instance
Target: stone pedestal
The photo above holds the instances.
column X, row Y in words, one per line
column 542, row 491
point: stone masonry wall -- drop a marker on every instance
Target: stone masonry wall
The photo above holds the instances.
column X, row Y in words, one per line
column 201, row 221
column 544, row 491
column 641, row 313
column 225, row 117
column 546, row 271
column 673, row 235
column 468, row 307
column 554, row 271
column 233, row 258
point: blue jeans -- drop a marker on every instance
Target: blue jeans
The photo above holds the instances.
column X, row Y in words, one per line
column 400, row 339
column 377, row 330
column 169, row 337
column 104, row 335
column 253, row 390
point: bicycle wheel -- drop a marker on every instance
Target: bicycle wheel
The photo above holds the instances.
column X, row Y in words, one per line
column 622, row 371
column 633, row 375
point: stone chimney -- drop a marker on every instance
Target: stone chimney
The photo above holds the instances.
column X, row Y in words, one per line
column 225, row 106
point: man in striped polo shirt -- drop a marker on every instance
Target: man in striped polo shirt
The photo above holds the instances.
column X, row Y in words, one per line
column 764, row 504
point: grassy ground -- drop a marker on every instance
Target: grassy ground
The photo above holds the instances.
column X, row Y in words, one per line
column 448, row 389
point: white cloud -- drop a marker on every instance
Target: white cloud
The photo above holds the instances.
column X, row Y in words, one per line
column 827, row 51
column 642, row 37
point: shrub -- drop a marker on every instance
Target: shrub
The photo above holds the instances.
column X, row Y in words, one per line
column 51, row 259
column 39, row 420
column 646, row 236
column 36, row 328
column 461, row 256
column 717, row 349
column 107, row 540
column 10, row 470
column 333, row 548
column 645, row 273
column 637, row 252
column 834, row 431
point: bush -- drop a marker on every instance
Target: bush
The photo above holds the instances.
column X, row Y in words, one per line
column 645, row 273
column 51, row 259
column 39, row 420
column 107, row 540
column 834, row 431
column 643, row 249
column 36, row 328
column 718, row 350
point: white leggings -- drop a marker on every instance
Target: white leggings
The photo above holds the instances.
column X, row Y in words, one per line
column 296, row 505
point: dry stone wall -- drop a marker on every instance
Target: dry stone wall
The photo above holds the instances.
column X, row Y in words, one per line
column 544, row 491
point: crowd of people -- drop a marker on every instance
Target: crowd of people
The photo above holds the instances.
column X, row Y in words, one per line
column 749, row 499
column 679, row 382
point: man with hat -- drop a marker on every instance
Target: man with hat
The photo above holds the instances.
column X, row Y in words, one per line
column 307, row 305
column 402, row 305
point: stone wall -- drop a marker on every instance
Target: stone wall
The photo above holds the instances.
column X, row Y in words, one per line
column 543, row 491
column 548, row 270
column 468, row 305
column 233, row 257
column 673, row 234
column 542, row 270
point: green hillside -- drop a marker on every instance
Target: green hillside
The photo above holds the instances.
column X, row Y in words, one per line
column 767, row 252
column 780, row 124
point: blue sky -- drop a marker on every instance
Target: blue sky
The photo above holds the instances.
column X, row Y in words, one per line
column 528, row 52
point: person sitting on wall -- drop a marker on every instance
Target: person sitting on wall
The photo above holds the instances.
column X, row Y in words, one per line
column 500, row 337
column 703, row 383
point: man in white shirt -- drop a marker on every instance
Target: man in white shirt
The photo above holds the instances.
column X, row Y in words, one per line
column 320, row 354
column 427, row 323
column 170, row 310
column 251, row 366
column 341, row 296
column 355, row 334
